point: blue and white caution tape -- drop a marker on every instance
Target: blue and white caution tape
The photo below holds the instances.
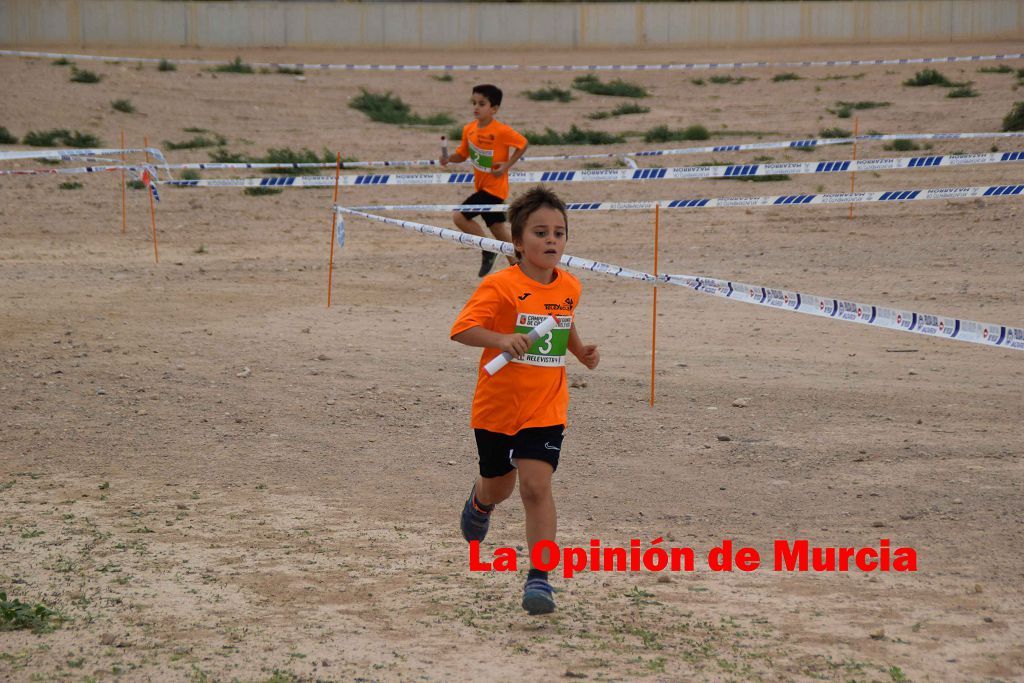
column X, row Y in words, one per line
column 619, row 174
column 534, row 67
column 821, row 142
column 732, row 202
column 71, row 154
column 65, row 171
column 780, row 144
column 498, row 246
column 943, row 327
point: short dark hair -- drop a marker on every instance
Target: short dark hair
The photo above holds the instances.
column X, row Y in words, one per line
column 525, row 204
column 491, row 92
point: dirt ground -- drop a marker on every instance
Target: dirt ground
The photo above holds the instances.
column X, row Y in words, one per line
column 213, row 476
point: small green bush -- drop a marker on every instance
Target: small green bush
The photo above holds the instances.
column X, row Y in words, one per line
column 549, row 95
column 1015, row 119
column 60, row 136
column 15, row 615
column 734, row 80
column 123, row 105
column 697, row 81
column 165, row 65
column 623, row 109
column 136, row 185
column 286, row 155
column 236, row 66
column 84, row 76
column 574, row 136
column 262, row 191
column 389, row 108
column 444, row 78
column 845, row 109
column 189, row 174
column 70, row 185
column 786, row 77
column 223, row 156
column 927, row 77
column 666, row 134
column 901, row 146
column 197, row 142
column 6, row 138
column 293, row 71
column 1001, row 69
column 617, row 88
column 834, row 133
column 62, row 61
column 963, row 91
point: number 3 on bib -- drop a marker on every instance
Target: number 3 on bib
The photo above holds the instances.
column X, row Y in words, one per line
column 549, row 350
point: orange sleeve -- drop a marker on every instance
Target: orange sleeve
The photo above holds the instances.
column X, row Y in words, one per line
column 513, row 138
column 481, row 310
column 463, row 149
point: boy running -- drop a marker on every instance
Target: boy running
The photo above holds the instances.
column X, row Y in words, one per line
column 519, row 414
column 486, row 142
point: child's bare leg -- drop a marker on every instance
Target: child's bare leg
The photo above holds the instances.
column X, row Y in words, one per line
column 535, row 490
column 503, row 232
column 467, row 225
column 493, row 490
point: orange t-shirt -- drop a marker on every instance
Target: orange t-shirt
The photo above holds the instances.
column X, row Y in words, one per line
column 531, row 391
column 485, row 147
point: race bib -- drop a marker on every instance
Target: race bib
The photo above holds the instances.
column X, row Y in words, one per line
column 549, row 350
column 481, row 159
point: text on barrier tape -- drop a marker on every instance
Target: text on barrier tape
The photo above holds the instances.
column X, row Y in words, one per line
column 942, row 327
column 732, row 202
column 619, row 174
column 535, row 67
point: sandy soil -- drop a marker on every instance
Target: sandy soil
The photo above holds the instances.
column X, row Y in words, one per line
column 300, row 523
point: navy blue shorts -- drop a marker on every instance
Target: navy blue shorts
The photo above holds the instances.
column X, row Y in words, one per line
column 498, row 451
column 490, row 217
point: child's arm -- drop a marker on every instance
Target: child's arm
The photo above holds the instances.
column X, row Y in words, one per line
column 451, row 159
column 515, row 344
column 503, row 168
column 585, row 353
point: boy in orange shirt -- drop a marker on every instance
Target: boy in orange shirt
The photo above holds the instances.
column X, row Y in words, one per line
column 486, row 143
column 519, row 414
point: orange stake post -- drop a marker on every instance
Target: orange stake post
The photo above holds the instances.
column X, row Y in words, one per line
column 334, row 226
column 124, row 191
column 853, row 174
column 654, row 313
column 152, row 205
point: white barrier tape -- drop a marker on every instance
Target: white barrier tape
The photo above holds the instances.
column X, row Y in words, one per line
column 625, row 156
column 821, row 142
column 80, row 169
column 731, row 202
column 624, row 174
column 942, row 327
column 533, row 67
column 71, row 154
column 500, row 247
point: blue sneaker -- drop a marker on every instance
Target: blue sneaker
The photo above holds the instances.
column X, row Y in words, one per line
column 474, row 522
column 538, row 597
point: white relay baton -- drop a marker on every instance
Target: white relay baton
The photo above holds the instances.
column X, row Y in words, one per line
column 498, row 362
column 444, row 147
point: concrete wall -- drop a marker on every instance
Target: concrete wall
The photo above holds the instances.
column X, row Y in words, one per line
column 259, row 23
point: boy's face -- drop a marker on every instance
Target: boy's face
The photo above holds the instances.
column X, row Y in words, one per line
column 482, row 109
column 544, row 237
